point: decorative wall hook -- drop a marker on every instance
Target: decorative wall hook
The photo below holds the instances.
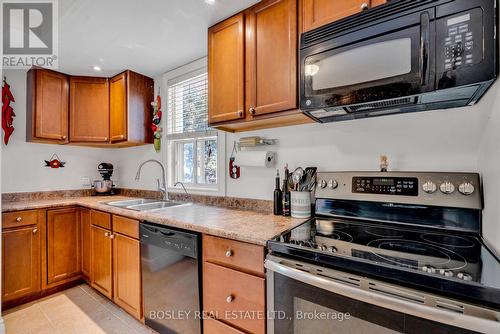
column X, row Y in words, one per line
column 54, row 162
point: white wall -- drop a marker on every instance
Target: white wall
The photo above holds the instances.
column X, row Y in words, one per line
column 23, row 167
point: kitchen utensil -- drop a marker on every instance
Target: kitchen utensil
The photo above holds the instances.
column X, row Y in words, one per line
column 297, row 177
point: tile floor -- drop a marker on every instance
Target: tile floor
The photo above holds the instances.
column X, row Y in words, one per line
column 79, row 310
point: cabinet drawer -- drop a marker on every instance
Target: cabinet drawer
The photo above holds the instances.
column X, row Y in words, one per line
column 101, row 219
column 230, row 292
column 126, row 226
column 236, row 254
column 19, row 218
column 212, row 326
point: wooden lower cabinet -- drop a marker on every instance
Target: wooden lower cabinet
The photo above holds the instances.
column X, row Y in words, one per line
column 86, row 245
column 233, row 283
column 213, row 326
column 63, row 245
column 127, row 274
column 20, row 262
column 101, row 263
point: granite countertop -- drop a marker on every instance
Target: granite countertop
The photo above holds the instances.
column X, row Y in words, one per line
column 248, row 226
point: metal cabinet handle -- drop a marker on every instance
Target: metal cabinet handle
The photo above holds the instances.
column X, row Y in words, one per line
column 365, row 6
column 229, row 253
column 229, row 299
column 240, row 113
column 106, row 234
column 35, row 230
column 251, row 111
column 112, row 236
column 106, row 138
column 19, row 219
column 63, row 137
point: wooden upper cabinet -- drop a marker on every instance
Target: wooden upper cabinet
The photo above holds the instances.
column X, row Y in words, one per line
column 271, row 57
column 316, row 13
column 20, row 262
column 118, row 108
column 63, row 244
column 226, row 77
column 101, row 261
column 89, row 109
column 130, row 97
column 47, row 106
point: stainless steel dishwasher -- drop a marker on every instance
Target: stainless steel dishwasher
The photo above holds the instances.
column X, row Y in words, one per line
column 170, row 279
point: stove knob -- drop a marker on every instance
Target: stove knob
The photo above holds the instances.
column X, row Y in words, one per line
column 466, row 188
column 322, row 184
column 446, row 273
column 429, row 269
column 321, row 247
column 332, row 249
column 429, row 187
column 447, row 188
column 333, row 184
column 464, row 276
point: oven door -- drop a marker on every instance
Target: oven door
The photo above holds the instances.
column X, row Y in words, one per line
column 307, row 299
column 388, row 60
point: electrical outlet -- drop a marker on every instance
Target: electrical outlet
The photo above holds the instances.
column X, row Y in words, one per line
column 86, row 181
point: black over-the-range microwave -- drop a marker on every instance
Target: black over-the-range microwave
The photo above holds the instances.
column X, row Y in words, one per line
column 403, row 56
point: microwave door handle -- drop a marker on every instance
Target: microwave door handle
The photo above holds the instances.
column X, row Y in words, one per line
column 385, row 300
column 425, row 26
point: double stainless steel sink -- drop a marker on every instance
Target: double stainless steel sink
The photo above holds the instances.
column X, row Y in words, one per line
column 145, row 204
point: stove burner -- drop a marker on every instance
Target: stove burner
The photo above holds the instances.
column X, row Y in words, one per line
column 435, row 256
column 343, row 236
column 447, row 240
column 384, row 232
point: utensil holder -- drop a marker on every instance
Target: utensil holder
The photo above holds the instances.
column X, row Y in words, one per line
column 300, row 204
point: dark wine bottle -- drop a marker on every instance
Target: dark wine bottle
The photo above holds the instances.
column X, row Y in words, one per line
column 278, row 196
column 286, row 199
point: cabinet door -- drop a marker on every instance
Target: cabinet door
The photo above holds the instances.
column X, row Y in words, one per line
column 101, row 261
column 63, row 244
column 316, row 13
column 271, row 57
column 226, row 77
column 127, row 274
column 48, row 106
column 85, row 239
column 20, row 262
column 89, row 109
column 118, row 108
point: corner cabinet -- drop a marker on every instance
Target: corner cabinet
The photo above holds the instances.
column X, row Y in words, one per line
column 316, row 13
column 252, row 68
column 47, row 107
column 89, row 111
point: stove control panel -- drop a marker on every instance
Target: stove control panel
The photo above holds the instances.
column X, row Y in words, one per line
column 445, row 189
column 404, row 186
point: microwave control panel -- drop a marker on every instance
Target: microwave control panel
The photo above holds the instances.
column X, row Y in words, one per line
column 463, row 40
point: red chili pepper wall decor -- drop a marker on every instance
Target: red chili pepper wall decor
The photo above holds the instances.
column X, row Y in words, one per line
column 7, row 111
column 156, row 124
column 54, row 162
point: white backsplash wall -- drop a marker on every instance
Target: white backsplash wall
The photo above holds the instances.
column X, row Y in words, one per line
column 23, row 163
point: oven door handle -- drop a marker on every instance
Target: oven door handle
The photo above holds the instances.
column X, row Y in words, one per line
column 425, row 36
column 483, row 325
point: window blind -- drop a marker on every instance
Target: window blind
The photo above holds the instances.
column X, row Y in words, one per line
column 187, row 106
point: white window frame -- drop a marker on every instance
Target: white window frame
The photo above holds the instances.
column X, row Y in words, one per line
column 170, row 154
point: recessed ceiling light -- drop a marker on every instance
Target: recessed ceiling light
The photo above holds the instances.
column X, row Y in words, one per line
column 210, row 2
column 97, row 69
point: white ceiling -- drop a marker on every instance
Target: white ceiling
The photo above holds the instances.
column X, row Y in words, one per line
column 148, row 36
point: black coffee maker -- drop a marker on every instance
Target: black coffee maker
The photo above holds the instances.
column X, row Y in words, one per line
column 105, row 186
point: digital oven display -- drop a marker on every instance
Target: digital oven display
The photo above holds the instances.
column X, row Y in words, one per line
column 402, row 186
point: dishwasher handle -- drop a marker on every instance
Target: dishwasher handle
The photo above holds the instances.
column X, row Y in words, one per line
column 181, row 242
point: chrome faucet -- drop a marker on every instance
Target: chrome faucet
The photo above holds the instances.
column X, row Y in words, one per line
column 161, row 187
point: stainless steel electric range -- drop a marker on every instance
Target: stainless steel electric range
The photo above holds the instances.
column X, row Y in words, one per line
column 387, row 253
